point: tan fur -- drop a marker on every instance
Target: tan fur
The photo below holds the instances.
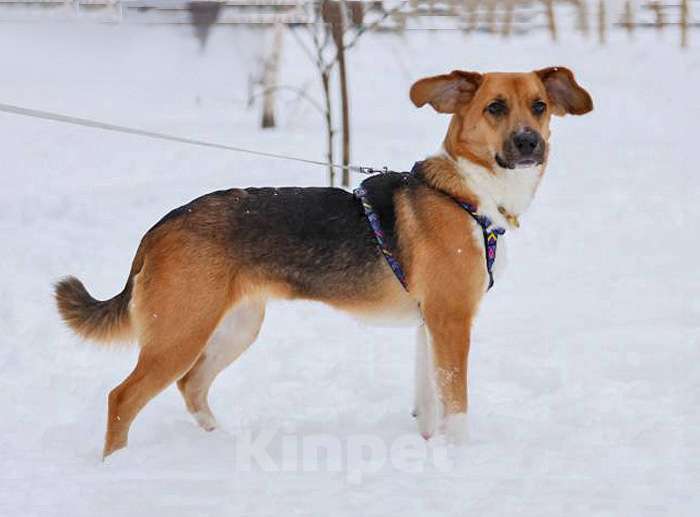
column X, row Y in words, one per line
column 476, row 136
column 446, row 273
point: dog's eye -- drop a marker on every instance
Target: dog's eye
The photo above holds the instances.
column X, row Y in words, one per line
column 539, row 107
column 497, row 108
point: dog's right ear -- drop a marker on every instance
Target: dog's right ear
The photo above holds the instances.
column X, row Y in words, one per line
column 447, row 92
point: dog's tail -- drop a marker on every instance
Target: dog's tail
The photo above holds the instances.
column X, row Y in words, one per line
column 98, row 320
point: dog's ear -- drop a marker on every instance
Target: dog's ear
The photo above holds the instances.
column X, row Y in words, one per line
column 446, row 92
column 564, row 92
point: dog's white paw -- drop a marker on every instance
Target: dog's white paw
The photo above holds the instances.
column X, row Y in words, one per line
column 427, row 406
column 427, row 419
column 205, row 420
column 456, row 428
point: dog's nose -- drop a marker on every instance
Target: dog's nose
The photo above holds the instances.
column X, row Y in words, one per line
column 526, row 141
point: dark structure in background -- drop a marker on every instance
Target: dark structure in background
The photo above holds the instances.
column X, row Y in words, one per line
column 203, row 15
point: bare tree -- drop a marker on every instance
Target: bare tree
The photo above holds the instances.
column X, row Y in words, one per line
column 602, row 22
column 270, row 74
column 551, row 18
column 685, row 15
column 628, row 18
column 333, row 14
column 318, row 54
column 331, row 26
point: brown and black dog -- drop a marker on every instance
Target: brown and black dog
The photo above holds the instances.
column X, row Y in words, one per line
column 196, row 293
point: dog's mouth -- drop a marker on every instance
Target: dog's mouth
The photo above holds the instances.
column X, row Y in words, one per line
column 521, row 163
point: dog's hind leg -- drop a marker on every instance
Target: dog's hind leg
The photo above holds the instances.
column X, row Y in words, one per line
column 236, row 332
column 164, row 357
column 176, row 308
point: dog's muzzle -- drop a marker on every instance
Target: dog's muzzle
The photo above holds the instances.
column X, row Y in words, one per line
column 523, row 148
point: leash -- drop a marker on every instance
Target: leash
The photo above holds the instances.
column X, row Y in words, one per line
column 490, row 233
column 106, row 126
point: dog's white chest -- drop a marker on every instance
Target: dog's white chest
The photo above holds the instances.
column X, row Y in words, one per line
column 502, row 189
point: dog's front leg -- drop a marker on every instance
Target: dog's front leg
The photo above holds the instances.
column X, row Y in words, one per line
column 449, row 338
column 426, row 400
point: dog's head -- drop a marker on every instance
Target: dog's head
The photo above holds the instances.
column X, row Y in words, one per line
column 502, row 119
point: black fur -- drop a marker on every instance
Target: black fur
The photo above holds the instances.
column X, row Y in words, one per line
column 316, row 240
column 381, row 193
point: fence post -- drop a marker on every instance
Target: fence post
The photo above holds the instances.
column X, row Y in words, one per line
column 658, row 10
column 602, row 22
column 551, row 21
column 628, row 18
column 472, row 6
column 508, row 18
column 583, row 17
column 684, row 23
column 491, row 16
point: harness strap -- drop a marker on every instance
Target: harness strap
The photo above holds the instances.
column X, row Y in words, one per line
column 490, row 232
column 373, row 218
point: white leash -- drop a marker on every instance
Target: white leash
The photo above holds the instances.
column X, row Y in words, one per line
column 95, row 124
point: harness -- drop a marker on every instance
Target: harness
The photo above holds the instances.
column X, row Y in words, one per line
column 490, row 232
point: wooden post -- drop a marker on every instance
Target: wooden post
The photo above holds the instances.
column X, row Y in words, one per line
column 602, row 22
column 508, row 18
column 473, row 22
column 658, row 10
column 582, row 20
column 628, row 18
column 270, row 75
column 551, row 20
column 491, row 16
column 684, row 23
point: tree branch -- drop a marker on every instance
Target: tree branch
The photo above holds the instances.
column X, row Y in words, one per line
column 300, row 92
column 367, row 28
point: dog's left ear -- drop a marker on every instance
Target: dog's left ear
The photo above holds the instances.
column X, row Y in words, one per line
column 564, row 92
column 446, row 92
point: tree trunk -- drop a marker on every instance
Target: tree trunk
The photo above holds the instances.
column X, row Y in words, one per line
column 684, row 23
column 628, row 18
column 582, row 19
column 551, row 19
column 344, row 101
column 325, row 83
column 338, row 28
column 270, row 77
column 508, row 19
column 658, row 9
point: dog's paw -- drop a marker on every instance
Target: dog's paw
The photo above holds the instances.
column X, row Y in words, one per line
column 456, row 428
column 427, row 419
column 205, row 420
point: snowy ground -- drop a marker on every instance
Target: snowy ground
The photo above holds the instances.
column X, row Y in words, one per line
column 585, row 368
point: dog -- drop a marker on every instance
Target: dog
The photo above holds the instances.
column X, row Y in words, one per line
column 196, row 293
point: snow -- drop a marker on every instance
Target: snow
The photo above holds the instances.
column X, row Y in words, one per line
column 585, row 364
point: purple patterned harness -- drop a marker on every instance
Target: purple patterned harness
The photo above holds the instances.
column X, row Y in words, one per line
column 490, row 232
